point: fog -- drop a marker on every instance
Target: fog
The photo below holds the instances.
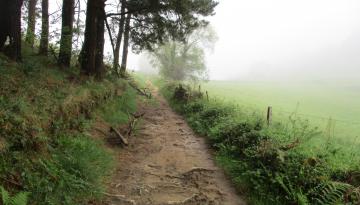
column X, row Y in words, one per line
column 284, row 40
column 279, row 40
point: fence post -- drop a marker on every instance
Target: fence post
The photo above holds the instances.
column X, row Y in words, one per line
column 207, row 95
column 269, row 115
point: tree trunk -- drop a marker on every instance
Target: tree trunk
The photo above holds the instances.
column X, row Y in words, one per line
column 119, row 37
column 91, row 57
column 30, row 33
column 44, row 41
column 100, row 40
column 126, row 45
column 68, row 11
column 10, row 28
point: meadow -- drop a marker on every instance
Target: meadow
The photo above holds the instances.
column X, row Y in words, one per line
column 334, row 109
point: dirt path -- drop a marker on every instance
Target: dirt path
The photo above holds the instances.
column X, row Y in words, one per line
column 166, row 163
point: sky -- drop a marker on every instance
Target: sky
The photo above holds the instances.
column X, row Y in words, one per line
column 285, row 39
column 280, row 39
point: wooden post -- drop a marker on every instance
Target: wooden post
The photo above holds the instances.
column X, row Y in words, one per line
column 269, row 115
column 207, row 95
column 199, row 88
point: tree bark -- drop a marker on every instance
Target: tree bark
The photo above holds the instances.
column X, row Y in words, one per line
column 100, row 40
column 30, row 32
column 10, row 28
column 44, row 41
column 126, row 45
column 68, row 12
column 91, row 57
column 119, row 37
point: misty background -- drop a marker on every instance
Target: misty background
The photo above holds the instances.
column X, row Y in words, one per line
column 287, row 40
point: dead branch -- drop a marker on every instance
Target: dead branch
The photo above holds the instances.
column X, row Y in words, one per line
column 122, row 138
column 143, row 92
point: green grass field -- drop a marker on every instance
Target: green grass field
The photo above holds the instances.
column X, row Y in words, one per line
column 316, row 102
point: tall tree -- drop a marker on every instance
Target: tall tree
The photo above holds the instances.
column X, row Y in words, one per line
column 10, row 27
column 100, row 40
column 68, row 12
column 44, row 41
column 119, row 36
column 91, row 57
column 30, row 33
column 126, row 44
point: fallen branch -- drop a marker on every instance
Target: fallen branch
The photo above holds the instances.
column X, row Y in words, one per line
column 122, row 138
column 141, row 92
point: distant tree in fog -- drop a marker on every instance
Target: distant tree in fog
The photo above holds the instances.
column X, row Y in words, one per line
column 185, row 60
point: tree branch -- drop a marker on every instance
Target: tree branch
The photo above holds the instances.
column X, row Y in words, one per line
column 110, row 35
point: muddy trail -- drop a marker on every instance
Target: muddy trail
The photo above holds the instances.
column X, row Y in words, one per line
column 167, row 164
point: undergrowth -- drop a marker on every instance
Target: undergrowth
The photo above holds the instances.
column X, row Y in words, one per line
column 271, row 164
column 45, row 117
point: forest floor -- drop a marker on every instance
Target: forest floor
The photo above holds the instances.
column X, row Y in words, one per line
column 166, row 163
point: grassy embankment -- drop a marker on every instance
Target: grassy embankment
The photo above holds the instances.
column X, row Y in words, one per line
column 46, row 114
column 277, row 164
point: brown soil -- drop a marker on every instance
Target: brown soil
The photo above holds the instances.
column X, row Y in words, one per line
column 167, row 164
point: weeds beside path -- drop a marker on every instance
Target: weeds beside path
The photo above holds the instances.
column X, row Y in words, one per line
column 166, row 163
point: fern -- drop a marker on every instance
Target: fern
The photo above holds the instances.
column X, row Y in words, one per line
column 293, row 194
column 4, row 196
column 330, row 193
column 353, row 195
column 20, row 198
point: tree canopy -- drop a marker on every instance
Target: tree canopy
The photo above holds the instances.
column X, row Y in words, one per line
column 167, row 20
